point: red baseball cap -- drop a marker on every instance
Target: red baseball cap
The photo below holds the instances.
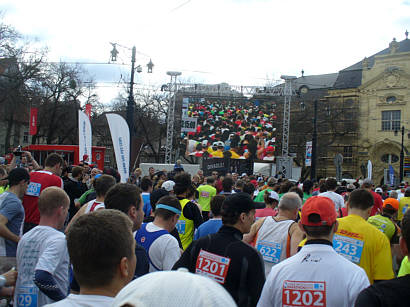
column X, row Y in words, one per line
column 394, row 203
column 322, row 206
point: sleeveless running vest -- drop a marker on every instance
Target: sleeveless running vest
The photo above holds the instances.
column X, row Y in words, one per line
column 145, row 238
column 273, row 242
column 94, row 205
column 384, row 224
column 185, row 226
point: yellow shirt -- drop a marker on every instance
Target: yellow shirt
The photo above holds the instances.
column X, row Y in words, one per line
column 405, row 267
column 217, row 154
column 185, row 226
column 234, row 155
column 365, row 245
column 403, row 206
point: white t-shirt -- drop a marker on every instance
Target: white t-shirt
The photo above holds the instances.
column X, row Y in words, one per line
column 164, row 251
column 81, row 300
column 42, row 248
column 336, row 198
column 316, row 276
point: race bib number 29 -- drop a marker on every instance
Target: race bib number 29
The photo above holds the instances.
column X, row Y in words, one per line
column 212, row 265
column 303, row 293
column 27, row 297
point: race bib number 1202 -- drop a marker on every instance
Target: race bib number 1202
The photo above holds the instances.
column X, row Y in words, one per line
column 212, row 266
column 303, row 293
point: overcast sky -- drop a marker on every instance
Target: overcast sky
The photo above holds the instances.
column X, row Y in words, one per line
column 241, row 42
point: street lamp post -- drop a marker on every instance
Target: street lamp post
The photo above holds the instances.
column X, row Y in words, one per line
column 130, row 102
column 131, row 107
column 314, row 143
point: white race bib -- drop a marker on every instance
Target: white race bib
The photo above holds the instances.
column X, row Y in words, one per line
column 212, row 265
column 304, row 293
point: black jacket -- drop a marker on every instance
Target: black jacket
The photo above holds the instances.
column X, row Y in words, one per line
column 74, row 190
column 246, row 273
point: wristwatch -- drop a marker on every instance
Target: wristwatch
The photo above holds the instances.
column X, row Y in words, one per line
column 2, row 281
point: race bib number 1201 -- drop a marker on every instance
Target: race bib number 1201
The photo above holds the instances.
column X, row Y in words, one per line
column 304, row 293
column 212, row 266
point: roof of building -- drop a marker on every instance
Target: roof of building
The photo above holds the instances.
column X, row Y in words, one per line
column 316, row 81
column 351, row 76
column 403, row 46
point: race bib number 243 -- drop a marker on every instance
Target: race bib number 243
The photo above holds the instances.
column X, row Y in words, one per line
column 303, row 293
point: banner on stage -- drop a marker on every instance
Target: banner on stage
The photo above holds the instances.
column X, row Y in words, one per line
column 308, row 159
column 120, row 135
column 84, row 137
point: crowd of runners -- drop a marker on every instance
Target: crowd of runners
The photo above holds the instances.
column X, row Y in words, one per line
column 81, row 238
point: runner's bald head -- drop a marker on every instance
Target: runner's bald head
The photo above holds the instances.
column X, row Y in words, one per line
column 52, row 198
column 290, row 201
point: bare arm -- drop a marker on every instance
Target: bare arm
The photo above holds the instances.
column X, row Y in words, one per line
column 5, row 232
column 32, row 160
column 249, row 237
column 12, row 164
column 296, row 235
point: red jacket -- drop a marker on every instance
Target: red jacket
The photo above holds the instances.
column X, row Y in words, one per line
column 38, row 182
column 378, row 203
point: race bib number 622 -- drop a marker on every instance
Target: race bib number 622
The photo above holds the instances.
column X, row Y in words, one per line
column 304, row 293
column 212, row 265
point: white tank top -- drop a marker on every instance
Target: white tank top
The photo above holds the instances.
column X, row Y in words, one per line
column 272, row 241
column 93, row 205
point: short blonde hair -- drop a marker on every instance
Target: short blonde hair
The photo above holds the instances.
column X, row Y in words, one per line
column 52, row 198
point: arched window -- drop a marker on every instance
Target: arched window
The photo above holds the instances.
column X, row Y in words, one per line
column 391, row 99
column 389, row 158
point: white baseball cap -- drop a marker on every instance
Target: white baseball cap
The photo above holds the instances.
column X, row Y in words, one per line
column 170, row 288
column 168, row 185
column 274, row 195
